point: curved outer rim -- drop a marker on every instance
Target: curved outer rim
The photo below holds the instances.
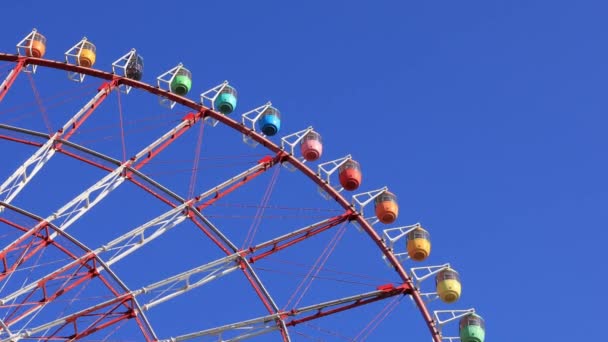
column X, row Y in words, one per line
column 415, row 293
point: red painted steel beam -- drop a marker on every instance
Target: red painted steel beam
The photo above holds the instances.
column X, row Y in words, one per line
column 21, row 248
column 106, row 88
column 12, row 77
column 394, row 291
column 90, row 267
column 283, row 243
column 74, row 279
column 101, row 322
column 269, row 162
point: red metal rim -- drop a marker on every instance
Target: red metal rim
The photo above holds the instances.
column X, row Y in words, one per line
column 207, row 112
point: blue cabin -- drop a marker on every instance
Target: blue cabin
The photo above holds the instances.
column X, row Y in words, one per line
column 270, row 121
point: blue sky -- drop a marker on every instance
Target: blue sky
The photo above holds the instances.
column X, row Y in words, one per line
column 486, row 118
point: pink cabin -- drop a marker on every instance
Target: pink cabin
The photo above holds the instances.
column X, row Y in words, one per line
column 311, row 146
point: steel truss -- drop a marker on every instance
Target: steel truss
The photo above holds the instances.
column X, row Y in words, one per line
column 175, row 285
column 86, row 267
column 25, row 247
column 248, row 134
column 26, row 172
column 293, row 317
column 94, row 265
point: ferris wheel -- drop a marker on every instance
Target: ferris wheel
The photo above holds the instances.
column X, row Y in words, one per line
column 103, row 240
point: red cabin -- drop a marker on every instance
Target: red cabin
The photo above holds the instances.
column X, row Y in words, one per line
column 350, row 175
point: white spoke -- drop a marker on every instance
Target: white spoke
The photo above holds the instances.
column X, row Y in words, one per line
column 24, row 173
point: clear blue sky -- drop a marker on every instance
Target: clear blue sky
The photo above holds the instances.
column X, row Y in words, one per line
column 486, row 118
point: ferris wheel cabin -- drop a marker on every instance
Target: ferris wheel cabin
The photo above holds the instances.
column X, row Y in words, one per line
column 270, row 121
column 225, row 102
column 447, row 282
column 472, row 328
column 350, row 175
column 135, row 68
column 386, row 207
column 87, row 54
column 182, row 82
column 418, row 244
column 36, row 45
column 311, row 146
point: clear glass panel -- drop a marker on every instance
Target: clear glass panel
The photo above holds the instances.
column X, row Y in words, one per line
column 312, row 135
column 183, row 72
column 418, row 234
column 272, row 111
column 89, row 46
column 136, row 62
column 386, row 197
column 39, row 37
column 229, row 90
column 350, row 164
column 472, row 319
column 447, row 274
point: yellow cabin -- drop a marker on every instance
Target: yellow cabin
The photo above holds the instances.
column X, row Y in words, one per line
column 87, row 56
column 448, row 285
column 418, row 244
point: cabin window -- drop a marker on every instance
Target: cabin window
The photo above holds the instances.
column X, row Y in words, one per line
column 88, row 46
column 228, row 90
column 39, row 37
column 445, row 275
column 471, row 320
column 183, row 72
column 271, row 111
column 418, row 234
column 386, row 196
column 312, row 135
column 350, row 164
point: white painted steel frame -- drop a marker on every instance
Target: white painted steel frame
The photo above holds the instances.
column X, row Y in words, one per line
column 365, row 198
column 453, row 315
column 26, row 172
column 392, row 235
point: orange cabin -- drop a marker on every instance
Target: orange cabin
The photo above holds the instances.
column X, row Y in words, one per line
column 387, row 209
column 87, row 55
column 311, row 147
column 37, row 46
column 350, row 175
